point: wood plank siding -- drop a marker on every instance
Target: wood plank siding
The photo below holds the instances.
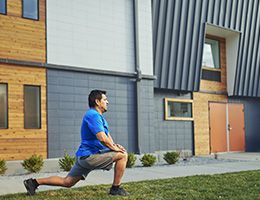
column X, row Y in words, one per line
column 17, row 143
column 214, row 86
column 201, row 120
column 201, row 103
column 22, row 39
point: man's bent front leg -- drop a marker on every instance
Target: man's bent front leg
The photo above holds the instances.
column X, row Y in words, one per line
column 120, row 160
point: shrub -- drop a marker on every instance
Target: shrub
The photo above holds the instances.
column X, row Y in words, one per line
column 33, row 164
column 171, row 157
column 2, row 166
column 131, row 160
column 148, row 160
column 67, row 162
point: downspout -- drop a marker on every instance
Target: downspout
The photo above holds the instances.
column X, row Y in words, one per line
column 138, row 76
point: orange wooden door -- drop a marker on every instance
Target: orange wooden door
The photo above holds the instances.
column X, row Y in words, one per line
column 236, row 127
column 217, row 124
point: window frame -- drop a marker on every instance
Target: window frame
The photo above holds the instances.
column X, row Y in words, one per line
column 40, row 109
column 38, row 11
column 7, row 115
column 5, row 9
column 210, row 37
column 166, row 117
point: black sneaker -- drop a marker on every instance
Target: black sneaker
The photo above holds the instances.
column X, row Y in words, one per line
column 30, row 187
column 118, row 191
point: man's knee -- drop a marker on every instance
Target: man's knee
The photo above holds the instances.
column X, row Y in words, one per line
column 68, row 182
column 125, row 155
column 120, row 156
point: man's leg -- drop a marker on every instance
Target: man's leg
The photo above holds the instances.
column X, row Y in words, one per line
column 120, row 160
column 32, row 184
column 67, row 181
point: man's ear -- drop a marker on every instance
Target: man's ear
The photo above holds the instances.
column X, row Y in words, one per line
column 97, row 101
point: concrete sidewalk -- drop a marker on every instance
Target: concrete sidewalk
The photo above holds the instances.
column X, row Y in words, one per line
column 14, row 184
column 228, row 162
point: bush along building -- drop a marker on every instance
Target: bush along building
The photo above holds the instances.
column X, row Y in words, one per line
column 180, row 74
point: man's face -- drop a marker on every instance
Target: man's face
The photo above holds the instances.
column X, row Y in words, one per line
column 102, row 104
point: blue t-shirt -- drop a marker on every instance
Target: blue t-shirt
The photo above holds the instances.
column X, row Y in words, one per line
column 92, row 123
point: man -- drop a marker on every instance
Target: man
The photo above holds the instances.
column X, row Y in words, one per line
column 97, row 151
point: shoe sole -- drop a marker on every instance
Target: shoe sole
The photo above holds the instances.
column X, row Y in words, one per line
column 27, row 188
column 119, row 194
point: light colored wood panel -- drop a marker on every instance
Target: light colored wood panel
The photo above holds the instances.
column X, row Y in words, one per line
column 16, row 75
column 14, row 133
column 14, row 8
column 201, row 103
column 19, row 156
column 16, row 136
column 22, row 39
column 201, row 120
column 21, row 142
column 206, row 85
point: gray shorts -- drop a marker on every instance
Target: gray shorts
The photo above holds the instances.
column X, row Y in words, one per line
column 83, row 166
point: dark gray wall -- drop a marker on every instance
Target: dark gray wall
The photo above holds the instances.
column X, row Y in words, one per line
column 171, row 135
column 178, row 35
column 147, row 134
column 252, row 125
column 67, row 103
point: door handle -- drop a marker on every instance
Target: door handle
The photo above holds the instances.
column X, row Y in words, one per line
column 229, row 127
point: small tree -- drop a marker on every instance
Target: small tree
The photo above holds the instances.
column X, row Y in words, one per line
column 33, row 164
column 131, row 160
column 3, row 167
column 67, row 162
column 148, row 160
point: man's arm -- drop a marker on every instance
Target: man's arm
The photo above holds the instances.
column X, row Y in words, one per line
column 118, row 145
column 108, row 141
column 110, row 137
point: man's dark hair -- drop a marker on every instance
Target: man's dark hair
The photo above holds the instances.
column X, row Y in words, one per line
column 95, row 94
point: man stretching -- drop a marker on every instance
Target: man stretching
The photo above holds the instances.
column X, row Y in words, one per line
column 97, row 151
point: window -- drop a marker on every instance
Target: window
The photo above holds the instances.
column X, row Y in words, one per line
column 3, row 7
column 178, row 109
column 211, row 75
column 211, row 61
column 3, row 106
column 32, row 107
column 31, row 9
column 211, row 57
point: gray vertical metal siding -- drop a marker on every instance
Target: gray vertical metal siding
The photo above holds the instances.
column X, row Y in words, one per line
column 252, row 126
column 178, row 35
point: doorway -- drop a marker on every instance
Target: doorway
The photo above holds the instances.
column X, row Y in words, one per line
column 226, row 122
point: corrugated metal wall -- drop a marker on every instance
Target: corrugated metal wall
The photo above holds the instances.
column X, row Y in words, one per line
column 252, row 127
column 178, row 36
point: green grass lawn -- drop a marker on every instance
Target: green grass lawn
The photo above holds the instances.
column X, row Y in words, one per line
column 242, row 185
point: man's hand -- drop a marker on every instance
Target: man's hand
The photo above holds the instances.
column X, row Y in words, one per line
column 121, row 147
column 108, row 141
